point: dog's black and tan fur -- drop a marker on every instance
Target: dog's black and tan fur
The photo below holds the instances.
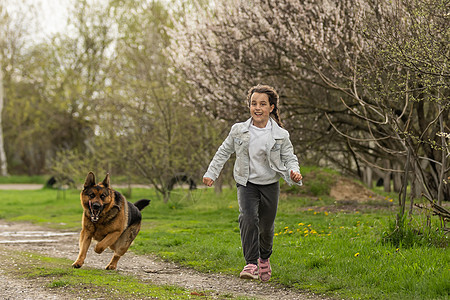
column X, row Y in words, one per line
column 107, row 218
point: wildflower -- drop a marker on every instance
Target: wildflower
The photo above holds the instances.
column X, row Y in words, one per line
column 306, row 234
column 356, row 254
column 309, row 225
column 276, row 234
column 300, row 224
column 326, row 213
column 231, row 206
column 391, row 200
column 290, row 232
column 286, row 227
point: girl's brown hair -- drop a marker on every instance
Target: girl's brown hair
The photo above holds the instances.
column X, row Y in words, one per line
column 273, row 99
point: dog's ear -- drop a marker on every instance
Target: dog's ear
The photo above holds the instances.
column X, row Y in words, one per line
column 105, row 181
column 90, row 180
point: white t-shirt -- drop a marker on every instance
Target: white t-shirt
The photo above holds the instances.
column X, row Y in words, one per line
column 260, row 171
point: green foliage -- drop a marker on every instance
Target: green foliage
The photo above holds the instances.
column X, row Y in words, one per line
column 318, row 182
column 86, row 283
column 410, row 231
column 317, row 246
column 37, row 179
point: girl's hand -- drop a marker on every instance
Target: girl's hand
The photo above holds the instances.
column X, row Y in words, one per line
column 296, row 177
column 208, row 181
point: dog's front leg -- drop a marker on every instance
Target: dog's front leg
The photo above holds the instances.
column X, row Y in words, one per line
column 85, row 242
column 109, row 239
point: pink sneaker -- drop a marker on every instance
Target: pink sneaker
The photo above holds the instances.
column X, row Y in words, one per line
column 264, row 270
column 250, row 271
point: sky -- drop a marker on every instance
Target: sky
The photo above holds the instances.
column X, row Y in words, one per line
column 54, row 15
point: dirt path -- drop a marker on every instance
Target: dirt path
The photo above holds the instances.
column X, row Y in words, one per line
column 31, row 238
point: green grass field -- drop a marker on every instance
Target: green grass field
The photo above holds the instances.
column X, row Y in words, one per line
column 317, row 246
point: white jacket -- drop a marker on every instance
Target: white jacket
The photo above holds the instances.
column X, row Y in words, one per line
column 279, row 151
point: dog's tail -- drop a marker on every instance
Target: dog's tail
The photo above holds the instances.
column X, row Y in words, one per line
column 141, row 204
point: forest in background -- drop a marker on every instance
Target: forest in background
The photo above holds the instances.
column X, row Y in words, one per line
column 149, row 89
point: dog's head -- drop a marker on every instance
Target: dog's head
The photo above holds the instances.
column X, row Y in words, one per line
column 96, row 198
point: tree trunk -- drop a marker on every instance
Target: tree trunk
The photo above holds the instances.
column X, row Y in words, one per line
column 368, row 177
column 3, row 163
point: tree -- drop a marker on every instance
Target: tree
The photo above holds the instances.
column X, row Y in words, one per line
column 3, row 162
column 158, row 135
column 16, row 21
column 341, row 84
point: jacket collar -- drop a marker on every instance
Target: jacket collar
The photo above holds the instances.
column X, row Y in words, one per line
column 277, row 131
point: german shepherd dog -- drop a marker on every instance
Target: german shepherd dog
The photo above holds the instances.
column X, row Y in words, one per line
column 107, row 218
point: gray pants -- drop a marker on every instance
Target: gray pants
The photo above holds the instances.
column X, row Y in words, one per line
column 258, row 208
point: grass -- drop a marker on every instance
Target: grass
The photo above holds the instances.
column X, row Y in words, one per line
column 317, row 247
column 87, row 283
column 38, row 179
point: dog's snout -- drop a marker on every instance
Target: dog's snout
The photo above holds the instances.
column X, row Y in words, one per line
column 96, row 205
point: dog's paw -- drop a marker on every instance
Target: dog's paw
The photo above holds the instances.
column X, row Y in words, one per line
column 110, row 267
column 77, row 265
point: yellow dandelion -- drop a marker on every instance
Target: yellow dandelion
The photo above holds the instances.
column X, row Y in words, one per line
column 315, row 212
column 286, row 227
column 306, row 234
column 310, row 209
column 326, row 213
column 276, row 234
column 230, row 206
column 300, row 224
column 356, row 254
column 309, row 225
column 290, row 232
column 391, row 200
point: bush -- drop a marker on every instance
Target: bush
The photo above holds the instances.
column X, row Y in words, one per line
column 407, row 232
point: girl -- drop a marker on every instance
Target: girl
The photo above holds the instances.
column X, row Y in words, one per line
column 264, row 153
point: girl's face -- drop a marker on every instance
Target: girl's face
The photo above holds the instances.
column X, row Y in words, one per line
column 260, row 109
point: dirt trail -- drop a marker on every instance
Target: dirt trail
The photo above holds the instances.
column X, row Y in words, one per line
column 32, row 238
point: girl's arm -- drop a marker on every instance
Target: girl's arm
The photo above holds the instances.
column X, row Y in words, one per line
column 290, row 160
column 220, row 158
